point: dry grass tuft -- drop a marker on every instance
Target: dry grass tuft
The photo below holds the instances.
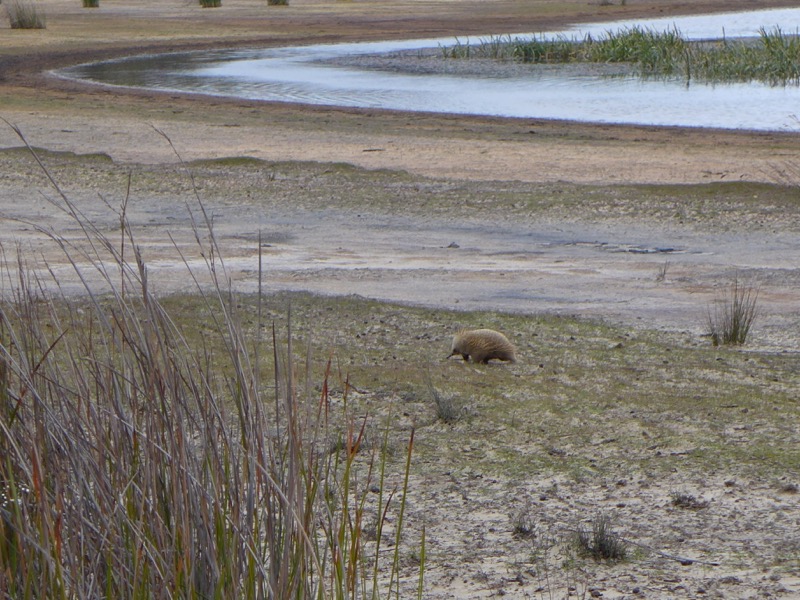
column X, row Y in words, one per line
column 730, row 320
column 601, row 543
column 688, row 501
column 23, row 14
column 448, row 408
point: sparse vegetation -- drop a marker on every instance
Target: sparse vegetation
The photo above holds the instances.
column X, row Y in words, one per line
column 448, row 408
column 773, row 58
column 24, row 14
column 523, row 522
column 559, row 421
column 688, row 501
column 731, row 318
column 661, row 276
column 556, row 567
column 601, row 543
column 91, row 3
column 210, row 3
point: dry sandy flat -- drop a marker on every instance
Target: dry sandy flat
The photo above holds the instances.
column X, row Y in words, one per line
column 640, row 268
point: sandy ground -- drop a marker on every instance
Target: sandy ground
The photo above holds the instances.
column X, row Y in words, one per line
column 607, row 269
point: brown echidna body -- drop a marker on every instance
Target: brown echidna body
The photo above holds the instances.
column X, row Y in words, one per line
column 482, row 345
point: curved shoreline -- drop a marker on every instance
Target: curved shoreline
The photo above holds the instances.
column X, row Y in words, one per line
column 28, row 67
column 580, row 92
column 64, row 115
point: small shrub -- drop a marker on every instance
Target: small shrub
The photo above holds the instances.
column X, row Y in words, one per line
column 601, row 543
column 661, row 276
column 523, row 523
column 448, row 408
column 210, row 3
column 688, row 501
column 731, row 319
column 278, row 2
column 24, row 15
column 91, row 3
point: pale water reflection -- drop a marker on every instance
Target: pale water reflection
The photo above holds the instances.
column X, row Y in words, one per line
column 296, row 75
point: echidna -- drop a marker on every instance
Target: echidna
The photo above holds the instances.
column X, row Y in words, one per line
column 482, row 345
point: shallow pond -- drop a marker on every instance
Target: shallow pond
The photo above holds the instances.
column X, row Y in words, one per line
column 297, row 75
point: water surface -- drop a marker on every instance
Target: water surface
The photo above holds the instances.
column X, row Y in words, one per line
column 297, row 74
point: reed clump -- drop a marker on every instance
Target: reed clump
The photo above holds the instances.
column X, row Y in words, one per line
column 23, row 14
column 772, row 58
column 601, row 543
column 730, row 319
column 134, row 465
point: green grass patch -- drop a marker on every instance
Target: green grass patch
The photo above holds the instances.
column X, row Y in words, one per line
column 273, row 186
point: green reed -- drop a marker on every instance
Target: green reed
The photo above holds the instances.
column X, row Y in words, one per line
column 772, row 58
